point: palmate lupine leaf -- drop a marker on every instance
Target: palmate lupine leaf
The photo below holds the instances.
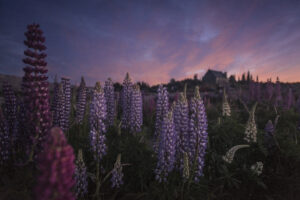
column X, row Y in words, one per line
column 231, row 152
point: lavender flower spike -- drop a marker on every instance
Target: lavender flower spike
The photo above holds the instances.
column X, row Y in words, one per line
column 110, row 101
column 198, row 135
column 166, row 149
column 56, row 168
column 81, row 101
column 97, row 117
column 117, row 174
column 126, row 97
column 80, row 176
column 5, row 147
column 67, row 102
column 136, row 112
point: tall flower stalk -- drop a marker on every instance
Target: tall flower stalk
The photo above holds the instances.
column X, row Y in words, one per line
column 166, row 148
column 136, row 111
column 97, row 122
column 126, row 98
column 35, row 87
column 58, row 112
column 110, row 101
column 181, row 122
column 251, row 130
column 66, row 85
column 5, row 144
column 117, row 174
column 80, row 177
column 56, row 168
column 81, row 102
column 226, row 111
column 198, row 135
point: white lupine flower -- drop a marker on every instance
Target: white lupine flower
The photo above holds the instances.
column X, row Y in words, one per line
column 231, row 152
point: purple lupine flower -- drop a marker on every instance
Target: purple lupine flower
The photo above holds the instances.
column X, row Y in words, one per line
column 81, row 102
column 126, row 97
column 270, row 90
column 81, row 187
column 198, row 134
column 136, row 111
column 166, row 148
column 181, row 118
column 5, row 147
column 67, row 102
column 58, row 112
column 55, row 96
column 162, row 107
column 110, row 101
column 35, row 87
column 10, row 110
column 290, row 99
column 269, row 135
column 117, row 174
column 97, row 118
column 56, row 168
column 278, row 96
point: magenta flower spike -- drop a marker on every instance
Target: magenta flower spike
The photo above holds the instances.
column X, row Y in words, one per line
column 56, row 168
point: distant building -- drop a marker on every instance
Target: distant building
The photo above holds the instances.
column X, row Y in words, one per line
column 215, row 77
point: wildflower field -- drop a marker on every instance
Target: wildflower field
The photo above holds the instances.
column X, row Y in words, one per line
column 107, row 142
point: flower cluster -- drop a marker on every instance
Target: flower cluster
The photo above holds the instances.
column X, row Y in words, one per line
column 80, row 176
column 117, row 173
column 125, row 100
column 257, row 168
column 162, row 107
column 56, row 168
column 97, row 118
column 5, row 148
column 231, row 152
column 136, row 111
column 166, row 148
column 181, row 119
column 35, row 88
column 198, row 134
column 226, row 111
column 251, row 130
column 67, row 102
column 10, row 109
column 81, row 102
column 58, row 109
column 110, row 101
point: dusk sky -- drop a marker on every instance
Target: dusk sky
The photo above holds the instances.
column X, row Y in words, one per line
column 155, row 40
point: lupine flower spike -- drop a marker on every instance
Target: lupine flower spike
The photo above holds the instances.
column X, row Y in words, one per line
column 181, row 119
column 231, row 152
column 126, row 98
column 110, row 101
column 136, row 111
column 81, row 101
column 198, row 135
column 67, row 100
column 166, row 149
column 56, row 168
column 35, row 87
column 97, row 125
column 5, row 147
column 80, row 176
column 225, row 105
column 251, row 130
column 117, row 174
